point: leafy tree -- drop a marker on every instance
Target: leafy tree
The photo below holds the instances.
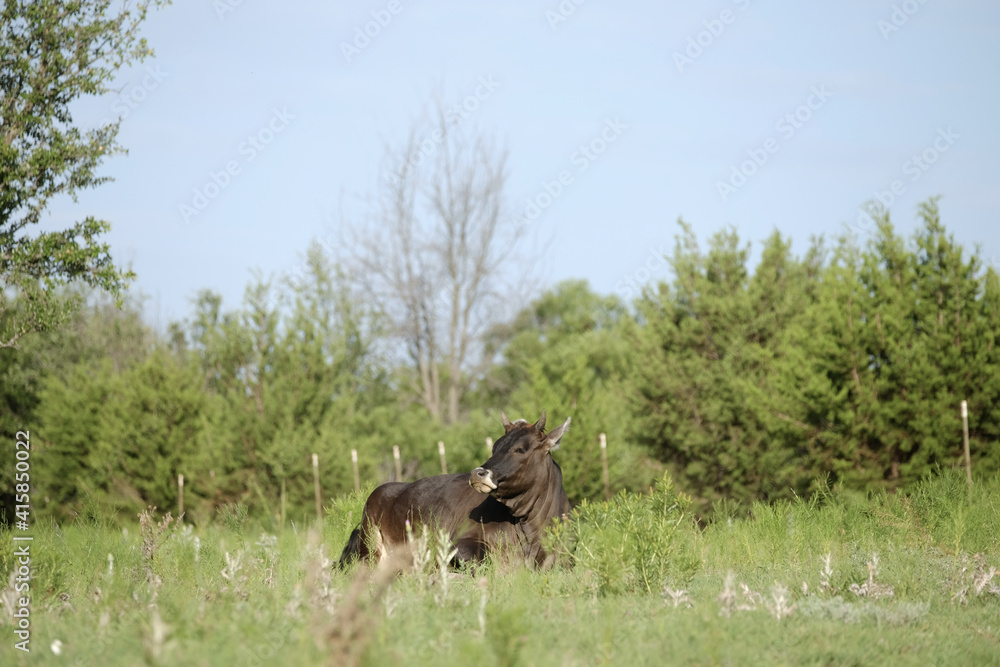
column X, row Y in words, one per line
column 927, row 346
column 99, row 331
column 52, row 54
column 810, row 400
column 706, row 355
column 567, row 353
column 120, row 438
column 869, row 382
column 293, row 371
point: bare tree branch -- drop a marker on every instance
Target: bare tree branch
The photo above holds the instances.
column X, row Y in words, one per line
column 432, row 252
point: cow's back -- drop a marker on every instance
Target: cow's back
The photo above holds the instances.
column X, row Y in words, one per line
column 473, row 521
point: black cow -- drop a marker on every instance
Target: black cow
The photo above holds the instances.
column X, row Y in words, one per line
column 509, row 500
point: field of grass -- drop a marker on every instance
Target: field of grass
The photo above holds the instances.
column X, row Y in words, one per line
column 902, row 579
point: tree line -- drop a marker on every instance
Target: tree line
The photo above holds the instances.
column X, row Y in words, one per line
column 843, row 366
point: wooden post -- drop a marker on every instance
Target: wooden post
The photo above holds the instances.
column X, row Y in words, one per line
column 281, row 517
column 604, row 466
column 354, row 463
column 489, row 445
column 444, row 463
column 180, row 495
column 965, row 440
column 399, row 465
column 319, row 500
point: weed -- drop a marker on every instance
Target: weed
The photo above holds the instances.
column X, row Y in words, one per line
column 779, row 604
column 152, row 537
column 825, row 573
column 629, row 542
column 234, row 517
column 275, row 599
column 676, row 597
column 730, row 601
column 871, row 588
column 347, row 631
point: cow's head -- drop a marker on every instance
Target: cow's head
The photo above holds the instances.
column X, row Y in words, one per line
column 519, row 457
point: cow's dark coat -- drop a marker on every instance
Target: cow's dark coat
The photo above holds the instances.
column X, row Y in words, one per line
column 509, row 500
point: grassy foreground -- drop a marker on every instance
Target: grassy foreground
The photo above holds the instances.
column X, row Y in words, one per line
column 890, row 579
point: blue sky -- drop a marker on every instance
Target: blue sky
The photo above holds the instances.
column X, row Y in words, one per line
column 803, row 110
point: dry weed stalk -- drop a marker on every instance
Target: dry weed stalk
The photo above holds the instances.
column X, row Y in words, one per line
column 779, row 605
column 825, row 573
column 978, row 582
column 233, row 573
column 152, row 535
column 983, row 581
column 154, row 640
column 269, row 545
column 484, row 590
column 347, row 632
column 319, row 582
column 871, row 588
column 445, row 551
column 676, row 597
column 420, row 548
column 731, row 601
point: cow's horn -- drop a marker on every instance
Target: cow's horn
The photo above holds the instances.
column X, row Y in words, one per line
column 540, row 424
column 504, row 421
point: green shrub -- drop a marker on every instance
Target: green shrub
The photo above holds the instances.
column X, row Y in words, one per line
column 630, row 542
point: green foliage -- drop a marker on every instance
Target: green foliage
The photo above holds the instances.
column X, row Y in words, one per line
column 843, row 367
column 98, row 331
column 51, row 55
column 708, row 347
column 761, row 386
column 120, row 438
column 233, row 516
column 629, row 542
column 205, row 598
column 567, row 353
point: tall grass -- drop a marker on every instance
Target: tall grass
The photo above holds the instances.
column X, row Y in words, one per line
column 907, row 578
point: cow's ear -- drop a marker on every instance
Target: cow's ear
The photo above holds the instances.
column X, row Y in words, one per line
column 540, row 424
column 553, row 438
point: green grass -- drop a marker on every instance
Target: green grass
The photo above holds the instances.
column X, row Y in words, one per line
column 897, row 579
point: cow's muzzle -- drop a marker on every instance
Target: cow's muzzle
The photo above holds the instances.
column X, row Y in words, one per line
column 482, row 480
